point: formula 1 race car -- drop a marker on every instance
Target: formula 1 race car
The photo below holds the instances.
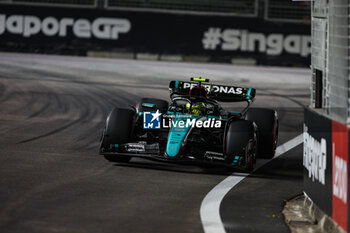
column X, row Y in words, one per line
column 193, row 127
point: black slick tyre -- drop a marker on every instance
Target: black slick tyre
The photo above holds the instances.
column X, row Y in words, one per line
column 267, row 123
column 240, row 142
column 119, row 126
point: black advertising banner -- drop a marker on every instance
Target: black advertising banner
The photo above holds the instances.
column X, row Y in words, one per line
column 317, row 159
column 98, row 29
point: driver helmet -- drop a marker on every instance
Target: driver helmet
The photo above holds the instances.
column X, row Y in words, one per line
column 198, row 109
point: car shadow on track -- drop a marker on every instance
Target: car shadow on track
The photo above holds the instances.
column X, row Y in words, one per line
column 173, row 167
column 218, row 171
column 279, row 169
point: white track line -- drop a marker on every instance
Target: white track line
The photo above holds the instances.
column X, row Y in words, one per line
column 210, row 207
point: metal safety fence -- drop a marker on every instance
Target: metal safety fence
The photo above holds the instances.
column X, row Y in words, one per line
column 217, row 7
column 330, row 58
column 337, row 92
column 235, row 7
column 72, row 3
column 274, row 10
column 287, row 10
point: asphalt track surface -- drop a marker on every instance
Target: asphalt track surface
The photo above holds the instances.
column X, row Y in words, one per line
column 52, row 110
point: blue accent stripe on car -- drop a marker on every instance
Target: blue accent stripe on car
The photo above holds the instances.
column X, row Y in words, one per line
column 176, row 84
column 148, row 105
column 176, row 137
column 177, row 134
column 248, row 93
column 234, row 112
column 216, row 117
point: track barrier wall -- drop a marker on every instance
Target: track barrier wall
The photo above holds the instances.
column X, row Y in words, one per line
column 326, row 166
column 66, row 30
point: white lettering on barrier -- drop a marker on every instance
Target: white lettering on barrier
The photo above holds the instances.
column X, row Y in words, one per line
column 340, row 184
column 29, row 25
column 315, row 157
column 242, row 40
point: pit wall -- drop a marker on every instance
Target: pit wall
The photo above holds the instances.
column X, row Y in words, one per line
column 326, row 165
column 137, row 34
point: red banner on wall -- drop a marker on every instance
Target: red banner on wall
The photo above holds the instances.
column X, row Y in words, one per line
column 340, row 174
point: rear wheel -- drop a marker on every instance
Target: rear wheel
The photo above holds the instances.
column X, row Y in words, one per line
column 118, row 130
column 267, row 122
column 240, row 145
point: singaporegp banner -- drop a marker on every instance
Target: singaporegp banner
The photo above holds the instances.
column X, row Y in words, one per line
column 326, row 166
column 317, row 159
column 153, row 32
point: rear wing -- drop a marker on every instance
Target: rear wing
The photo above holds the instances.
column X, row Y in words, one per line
column 217, row 92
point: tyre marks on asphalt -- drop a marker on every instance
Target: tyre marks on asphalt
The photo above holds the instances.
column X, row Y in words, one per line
column 78, row 102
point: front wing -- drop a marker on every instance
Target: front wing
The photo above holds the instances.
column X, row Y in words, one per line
column 152, row 152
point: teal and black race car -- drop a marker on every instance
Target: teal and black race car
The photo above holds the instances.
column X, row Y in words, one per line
column 193, row 127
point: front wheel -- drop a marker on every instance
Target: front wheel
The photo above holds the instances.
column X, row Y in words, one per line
column 118, row 129
column 267, row 122
column 240, row 145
